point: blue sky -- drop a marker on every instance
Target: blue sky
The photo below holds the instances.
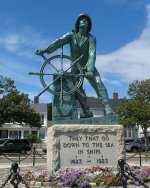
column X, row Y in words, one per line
column 122, row 29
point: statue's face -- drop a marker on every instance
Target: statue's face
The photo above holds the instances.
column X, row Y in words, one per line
column 83, row 23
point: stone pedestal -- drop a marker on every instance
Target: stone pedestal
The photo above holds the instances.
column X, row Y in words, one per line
column 84, row 145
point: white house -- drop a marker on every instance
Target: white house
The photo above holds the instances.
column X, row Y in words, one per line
column 10, row 130
column 15, row 130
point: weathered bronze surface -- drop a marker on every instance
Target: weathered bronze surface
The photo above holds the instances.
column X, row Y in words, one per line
column 82, row 65
column 105, row 120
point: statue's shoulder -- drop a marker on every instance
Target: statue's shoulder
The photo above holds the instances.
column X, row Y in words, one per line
column 70, row 33
column 92, row 37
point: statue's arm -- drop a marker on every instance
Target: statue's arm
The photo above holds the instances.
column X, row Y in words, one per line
column 92, row 54
column 58, row 43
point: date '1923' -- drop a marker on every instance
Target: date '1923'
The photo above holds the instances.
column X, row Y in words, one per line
column 102, row 161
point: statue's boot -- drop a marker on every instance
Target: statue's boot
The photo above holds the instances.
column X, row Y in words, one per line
column 86, row 114
column 86, row 110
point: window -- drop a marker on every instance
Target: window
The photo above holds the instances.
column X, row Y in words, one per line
column 3, row 134
column 26, row 133
column 17, row 142
column 2, row 141
column 130, row 132
column 125, row 133
column 15, row 134
column 42, row 135
column 34, row 132
column 42, row 118
column 10, row 142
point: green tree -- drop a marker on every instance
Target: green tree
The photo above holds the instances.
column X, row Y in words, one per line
column 15, row 106
column 136, row 109
column 33, row 138
column 6, row 85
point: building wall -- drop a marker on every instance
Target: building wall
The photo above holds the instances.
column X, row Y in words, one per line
column 10, row 130
column 16, row 130
column 141, row 132
column 131, row 132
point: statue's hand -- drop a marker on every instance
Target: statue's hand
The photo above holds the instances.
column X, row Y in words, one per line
column 39, row 52
column 89, row 74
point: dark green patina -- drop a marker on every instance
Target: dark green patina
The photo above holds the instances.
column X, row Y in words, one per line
column 68, row 86
column 105, row 120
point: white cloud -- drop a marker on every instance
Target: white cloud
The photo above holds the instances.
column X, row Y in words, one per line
column 23, row 42
column 18, row 58
column 11, row 42
column 16, row 70
column 131, row 61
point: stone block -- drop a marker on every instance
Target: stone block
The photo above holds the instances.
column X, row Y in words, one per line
column 84, row 145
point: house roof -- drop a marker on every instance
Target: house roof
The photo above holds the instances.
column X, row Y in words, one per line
column 97, row 103
column 115, row 102
column 14, row 126
column 39, row 107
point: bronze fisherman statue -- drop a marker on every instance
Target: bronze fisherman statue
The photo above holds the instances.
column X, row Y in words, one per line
column 82, row 42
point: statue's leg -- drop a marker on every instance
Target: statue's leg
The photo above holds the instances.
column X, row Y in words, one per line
column 81, row 96
column 101, row 91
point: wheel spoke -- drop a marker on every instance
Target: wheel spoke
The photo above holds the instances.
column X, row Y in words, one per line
column 38, row 73
column 53, row 67
column 48, row 86
column 74, row 63
column 76, row 75
column 62, row 58
column 61, row 92
column 45, row 58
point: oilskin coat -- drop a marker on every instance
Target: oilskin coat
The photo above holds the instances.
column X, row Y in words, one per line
column 86, row 46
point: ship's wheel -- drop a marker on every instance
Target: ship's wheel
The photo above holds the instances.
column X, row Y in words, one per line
column 60, row 68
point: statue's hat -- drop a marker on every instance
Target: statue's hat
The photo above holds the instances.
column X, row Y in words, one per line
column 78, row 20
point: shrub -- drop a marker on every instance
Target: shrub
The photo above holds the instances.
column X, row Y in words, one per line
column 33, row 138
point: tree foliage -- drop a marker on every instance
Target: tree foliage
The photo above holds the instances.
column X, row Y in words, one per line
column 136, row 109
column 6, row 85
column 15, row 106
column 33, row 138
